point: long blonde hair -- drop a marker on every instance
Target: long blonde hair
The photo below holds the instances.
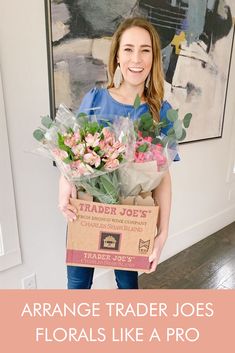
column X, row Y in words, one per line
column 155, row 91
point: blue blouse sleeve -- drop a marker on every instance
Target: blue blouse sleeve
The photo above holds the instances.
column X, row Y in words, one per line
column 88, row 102
column 165, row 107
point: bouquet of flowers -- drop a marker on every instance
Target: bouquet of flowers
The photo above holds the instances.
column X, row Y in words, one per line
column 154, row 151
column 88, row 150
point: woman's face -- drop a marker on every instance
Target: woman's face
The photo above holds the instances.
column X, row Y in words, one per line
column 135, row 55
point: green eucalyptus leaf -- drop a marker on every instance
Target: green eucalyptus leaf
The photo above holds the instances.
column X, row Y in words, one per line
column 38, row 135
column 163, row 123
column 47, row 121
column 137, row 102
column 147, row 125
column 178, row 128
column 164, row 141
column 171, row 132
column 187, row 120
column 156, row 141
column 146, row 116
column 183, row 135
column 156, row 131
column 172, row 114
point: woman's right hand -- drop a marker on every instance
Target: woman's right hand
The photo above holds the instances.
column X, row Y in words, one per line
column 67, row 190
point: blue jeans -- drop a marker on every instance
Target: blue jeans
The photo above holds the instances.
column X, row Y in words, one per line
column 82, row 278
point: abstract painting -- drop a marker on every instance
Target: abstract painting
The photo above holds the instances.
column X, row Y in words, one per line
column 196, row 36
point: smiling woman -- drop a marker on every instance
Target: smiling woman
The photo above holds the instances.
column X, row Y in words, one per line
column 135, row 68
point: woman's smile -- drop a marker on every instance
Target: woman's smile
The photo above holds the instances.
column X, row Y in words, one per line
column 135, row 70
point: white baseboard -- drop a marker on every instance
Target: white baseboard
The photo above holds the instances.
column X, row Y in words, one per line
column 191, row 235
column 176, row 242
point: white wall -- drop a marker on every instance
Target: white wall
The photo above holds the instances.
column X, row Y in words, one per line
column 201, row 181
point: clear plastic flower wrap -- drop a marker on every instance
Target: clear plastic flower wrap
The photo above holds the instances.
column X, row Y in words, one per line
column 154, row 152
column 150, row 164
column 88, row 149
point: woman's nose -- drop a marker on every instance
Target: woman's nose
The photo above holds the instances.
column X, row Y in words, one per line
column 136, row 58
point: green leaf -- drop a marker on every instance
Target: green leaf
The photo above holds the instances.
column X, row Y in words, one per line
column 143, row 148
column 164, row 141
column 163, row 123
column 172, row 114
column 156, row 131
column 146, row 122
column 38, row 135
column 82, row 115
column 47, row 121
column 137, row 102
column 183, row 135
column 63, row 147
column 171, row 132
column 156, row 140
column 145, row 133
column 146, row 116
column 178, row 128
column 187, row 120
column 110, row 189
column 67, row 160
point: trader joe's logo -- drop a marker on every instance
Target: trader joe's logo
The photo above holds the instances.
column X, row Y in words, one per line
column 109, row 241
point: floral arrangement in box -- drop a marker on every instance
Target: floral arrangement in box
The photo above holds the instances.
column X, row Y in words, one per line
column 112, row 157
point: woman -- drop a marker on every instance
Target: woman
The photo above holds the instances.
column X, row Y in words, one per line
column 135, row 68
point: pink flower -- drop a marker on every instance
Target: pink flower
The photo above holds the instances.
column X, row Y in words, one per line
column 120, row 147
column 111, row 153
column 148, row 139
column 111, row 164
column 79, row 149
column 92, row 158
column 102, row 145
column 80, row 169
column 59, row 153
column 93, row 140
column 139, row 157
column 71, row 139
column 108, row 136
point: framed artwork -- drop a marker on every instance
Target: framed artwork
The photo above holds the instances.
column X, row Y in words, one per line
column 197, row 41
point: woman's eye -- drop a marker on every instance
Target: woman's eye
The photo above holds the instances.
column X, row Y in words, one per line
column 127, row 49
column 146, row 50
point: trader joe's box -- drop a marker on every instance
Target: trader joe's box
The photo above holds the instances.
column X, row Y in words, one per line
column 114, row 236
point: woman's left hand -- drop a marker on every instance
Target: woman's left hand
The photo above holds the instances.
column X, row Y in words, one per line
column 157, row 249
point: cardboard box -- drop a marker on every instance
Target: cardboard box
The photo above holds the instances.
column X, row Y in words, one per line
column 113, row 236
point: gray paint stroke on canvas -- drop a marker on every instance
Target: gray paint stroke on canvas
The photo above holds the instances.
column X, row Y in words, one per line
column 82, row 32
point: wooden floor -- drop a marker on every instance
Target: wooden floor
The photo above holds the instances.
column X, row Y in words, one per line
column 209, row 263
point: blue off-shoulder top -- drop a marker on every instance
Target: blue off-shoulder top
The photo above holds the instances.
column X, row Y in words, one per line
column 99, row 101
